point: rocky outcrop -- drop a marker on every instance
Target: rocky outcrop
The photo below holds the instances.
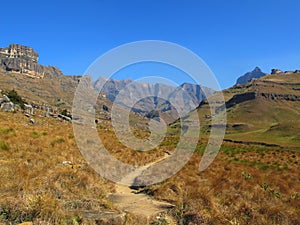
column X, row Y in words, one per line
column 256, row 73
column 276, row 71
column 24, row 60
column 275, row 96
column 239, row 98
column 16, row 51
column 6, row 104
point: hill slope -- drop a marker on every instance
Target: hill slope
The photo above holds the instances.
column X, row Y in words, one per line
column 263, row 110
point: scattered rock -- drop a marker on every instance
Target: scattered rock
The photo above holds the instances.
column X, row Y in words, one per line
column 8, row 107
column 29, row 109
column 65, row 117
column 32, row 121
column 66, row 163
column 6, row 99
column 18, row 108
column 105, row 108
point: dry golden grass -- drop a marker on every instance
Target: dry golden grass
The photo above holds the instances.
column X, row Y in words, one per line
column 34, row 185
column 235, row 191
column 244, row 185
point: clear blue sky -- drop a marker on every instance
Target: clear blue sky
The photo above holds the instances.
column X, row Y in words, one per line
column 231, row 36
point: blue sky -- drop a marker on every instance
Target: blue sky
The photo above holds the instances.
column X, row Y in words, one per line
column 231, row 36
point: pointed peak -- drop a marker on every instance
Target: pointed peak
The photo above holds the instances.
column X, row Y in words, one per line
column 257, row 69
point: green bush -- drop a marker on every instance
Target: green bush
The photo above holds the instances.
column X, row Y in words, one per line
column 4, row 146
column 16, row 98
column 57, row 141
column 35, row 134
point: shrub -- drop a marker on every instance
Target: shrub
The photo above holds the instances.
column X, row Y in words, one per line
column 35, row 134
column 57, row 141
column 16, row 98
column 4, row 146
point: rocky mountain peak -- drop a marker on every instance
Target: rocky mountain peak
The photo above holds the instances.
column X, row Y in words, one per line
column 256, row 73
column 24, row 60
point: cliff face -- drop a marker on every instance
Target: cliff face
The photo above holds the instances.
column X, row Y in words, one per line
column 22, row 59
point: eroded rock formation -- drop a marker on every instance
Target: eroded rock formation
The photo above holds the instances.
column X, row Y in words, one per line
column 22, row 59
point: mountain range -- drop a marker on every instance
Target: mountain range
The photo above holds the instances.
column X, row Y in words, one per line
column 144, row 98
column 262, row 107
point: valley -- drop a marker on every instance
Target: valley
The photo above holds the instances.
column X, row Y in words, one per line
column 44, row 178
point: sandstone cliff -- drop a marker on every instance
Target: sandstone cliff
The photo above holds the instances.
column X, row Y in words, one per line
column 24, row 60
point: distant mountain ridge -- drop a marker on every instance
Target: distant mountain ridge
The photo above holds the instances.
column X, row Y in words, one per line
column 256, row 73
column 147, row 97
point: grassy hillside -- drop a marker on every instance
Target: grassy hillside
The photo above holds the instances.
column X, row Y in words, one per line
column 55, row 92
column 270, row 117
column 35, row 184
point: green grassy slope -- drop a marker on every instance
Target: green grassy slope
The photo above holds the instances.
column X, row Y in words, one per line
column 272, row 116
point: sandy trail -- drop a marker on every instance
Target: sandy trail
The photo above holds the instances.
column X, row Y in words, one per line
column 139, row 204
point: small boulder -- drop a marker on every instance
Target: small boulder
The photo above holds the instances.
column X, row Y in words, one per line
column 105, row 108
column 18, row 108
column 6, row 99
column 66, row 163
column 29, row 109
column 7, row 106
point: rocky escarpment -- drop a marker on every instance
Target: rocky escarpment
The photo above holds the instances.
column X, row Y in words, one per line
column 274, row 87
column 24, row 60
column 239, row 98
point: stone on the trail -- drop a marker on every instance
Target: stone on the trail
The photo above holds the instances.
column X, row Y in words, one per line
column 112, row 218
column 32, row 121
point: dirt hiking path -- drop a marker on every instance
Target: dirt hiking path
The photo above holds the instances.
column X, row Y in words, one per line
column 139, row 204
